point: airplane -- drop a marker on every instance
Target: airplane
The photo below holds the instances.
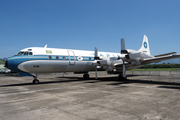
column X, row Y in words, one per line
column 35, row 60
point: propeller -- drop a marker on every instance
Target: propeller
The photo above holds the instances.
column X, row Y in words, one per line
column 125, row 56
column 124, row 52
column 96, row 57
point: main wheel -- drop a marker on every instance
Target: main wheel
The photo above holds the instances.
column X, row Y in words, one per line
column 36, row 81
column 121, row 77
column 86, row 76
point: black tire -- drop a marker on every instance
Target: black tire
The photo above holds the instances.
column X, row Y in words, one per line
column 86, row 76
column 36, row 81
column 121, row 77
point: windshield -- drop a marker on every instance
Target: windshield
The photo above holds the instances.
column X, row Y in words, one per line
column 20, row 53
column 25, row 53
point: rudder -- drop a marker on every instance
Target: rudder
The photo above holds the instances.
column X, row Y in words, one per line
column 145, row 46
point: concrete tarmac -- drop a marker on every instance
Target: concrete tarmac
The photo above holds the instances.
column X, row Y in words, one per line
column 73, row 98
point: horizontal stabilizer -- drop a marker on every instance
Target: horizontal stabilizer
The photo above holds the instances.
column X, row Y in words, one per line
column 165, row 54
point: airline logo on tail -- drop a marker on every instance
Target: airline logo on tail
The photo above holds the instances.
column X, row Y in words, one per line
column 145, row 45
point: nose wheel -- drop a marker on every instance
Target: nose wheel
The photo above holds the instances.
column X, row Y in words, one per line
column 35, row 81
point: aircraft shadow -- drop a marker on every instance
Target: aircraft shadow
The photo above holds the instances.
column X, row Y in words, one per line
column 167, row 85
column 101, row 79
column 73, row 79
column 163, row 84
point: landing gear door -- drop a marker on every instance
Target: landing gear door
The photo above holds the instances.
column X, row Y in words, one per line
column 71, row 57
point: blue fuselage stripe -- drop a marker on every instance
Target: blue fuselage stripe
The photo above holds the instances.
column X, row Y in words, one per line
column 16, row 60
column 49, row 57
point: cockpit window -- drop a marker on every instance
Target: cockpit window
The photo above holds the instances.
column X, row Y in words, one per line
column 20, row 53
column 30, row 53
column 25, row 53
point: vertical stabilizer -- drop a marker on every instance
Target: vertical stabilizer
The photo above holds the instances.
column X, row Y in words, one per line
column 145, row 46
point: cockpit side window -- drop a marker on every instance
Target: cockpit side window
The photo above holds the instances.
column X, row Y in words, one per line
column 26, row 53
column 30, row 53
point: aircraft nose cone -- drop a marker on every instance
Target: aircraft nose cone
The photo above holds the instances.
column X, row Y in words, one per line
column 10, row 64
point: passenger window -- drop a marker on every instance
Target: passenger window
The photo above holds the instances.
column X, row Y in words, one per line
column 57, row 57
column 64, row 58
column 108, row 55
column 50, row 57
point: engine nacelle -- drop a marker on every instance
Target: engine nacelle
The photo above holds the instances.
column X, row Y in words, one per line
column 124, row 57
column 136, row 57
column 106, row 63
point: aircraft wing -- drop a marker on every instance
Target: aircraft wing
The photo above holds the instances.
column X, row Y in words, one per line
column 147, row 61
column 159, row 59
column 165, row 54
column 119, row 66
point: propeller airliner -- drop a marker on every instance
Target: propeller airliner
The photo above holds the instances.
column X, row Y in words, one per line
column 35, row 60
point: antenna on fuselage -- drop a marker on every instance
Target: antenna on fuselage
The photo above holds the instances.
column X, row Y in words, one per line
column 45, row 46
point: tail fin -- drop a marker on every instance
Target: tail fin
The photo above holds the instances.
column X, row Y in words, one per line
column 145, row 46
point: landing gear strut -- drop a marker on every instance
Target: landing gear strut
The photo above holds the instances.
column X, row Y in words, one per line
column 86, row 76
column 35, row 81
column 121, row 77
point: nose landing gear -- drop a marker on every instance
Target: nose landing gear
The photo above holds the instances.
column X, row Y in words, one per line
column 35, row 81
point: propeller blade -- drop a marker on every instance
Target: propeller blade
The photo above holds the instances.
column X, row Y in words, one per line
column 96, row 58
column 123, row 50
column 122, row 44
column 96, row 54
column 125, row 54
column 95, row 72
column 124, row 70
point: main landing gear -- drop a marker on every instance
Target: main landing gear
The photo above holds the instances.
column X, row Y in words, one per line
column 35, row 81
column 86, row 76
column 121, row 77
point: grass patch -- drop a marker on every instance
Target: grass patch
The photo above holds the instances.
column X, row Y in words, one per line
column 1, row 74
column 156, row 69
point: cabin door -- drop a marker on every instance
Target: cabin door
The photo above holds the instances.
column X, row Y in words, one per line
column 71, row 57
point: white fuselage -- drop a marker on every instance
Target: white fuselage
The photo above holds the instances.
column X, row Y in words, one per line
column 51, row 60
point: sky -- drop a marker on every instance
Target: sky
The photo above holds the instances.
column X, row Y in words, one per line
column 85, row 24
